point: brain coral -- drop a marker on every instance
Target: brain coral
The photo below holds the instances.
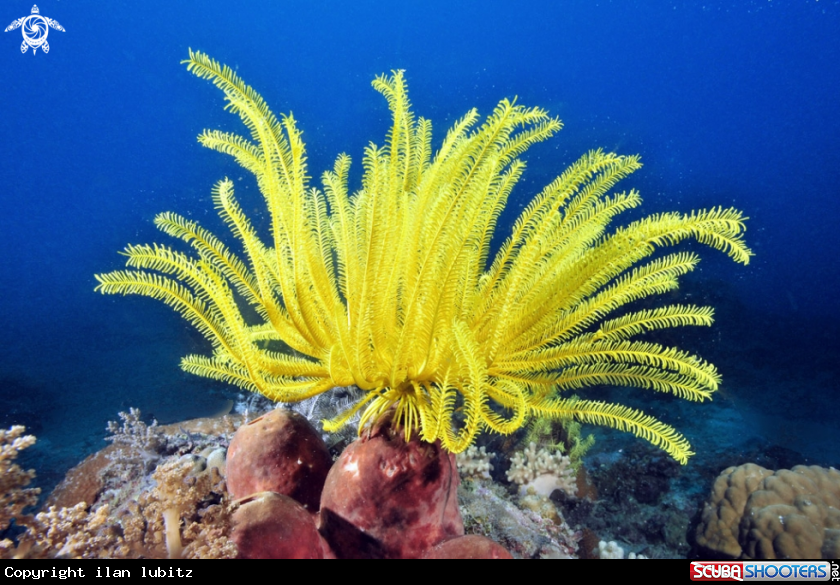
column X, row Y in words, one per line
column 755, row 513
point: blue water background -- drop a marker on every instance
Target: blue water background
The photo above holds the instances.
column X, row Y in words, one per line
column 728, row 103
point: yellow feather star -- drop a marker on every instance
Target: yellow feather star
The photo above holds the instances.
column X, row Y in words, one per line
column 392, row 288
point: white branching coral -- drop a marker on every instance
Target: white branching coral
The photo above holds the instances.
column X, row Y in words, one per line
column 612, row 550
column 73, row 533
column 138, row 445
column 14, row 495
column 134, row 432
column 541, row 472
column 474, row 463
column 56, row 533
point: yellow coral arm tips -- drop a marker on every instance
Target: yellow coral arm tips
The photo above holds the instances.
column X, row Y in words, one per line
column 622, row 418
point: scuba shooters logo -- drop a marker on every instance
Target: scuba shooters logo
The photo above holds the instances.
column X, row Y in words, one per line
column 765, row 571
column 35, row 29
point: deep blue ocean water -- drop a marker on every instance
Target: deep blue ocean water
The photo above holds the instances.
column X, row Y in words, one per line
column 728, row 103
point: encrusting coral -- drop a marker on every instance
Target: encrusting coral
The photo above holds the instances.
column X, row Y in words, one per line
column 393, row 289
column 756, row 513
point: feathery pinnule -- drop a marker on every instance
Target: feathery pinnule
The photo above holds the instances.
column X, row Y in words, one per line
column 393, row 288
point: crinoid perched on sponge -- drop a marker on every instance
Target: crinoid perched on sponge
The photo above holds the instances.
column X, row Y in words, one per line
column 394, row 287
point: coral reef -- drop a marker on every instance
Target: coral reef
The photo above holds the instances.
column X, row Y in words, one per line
column 85, row 482
column 525, row 521
column 384, row 499
column 718, row 532
column 756, row 513
column 387, row 498
column 137, row 448
column 107, row 474
column 181, row 510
